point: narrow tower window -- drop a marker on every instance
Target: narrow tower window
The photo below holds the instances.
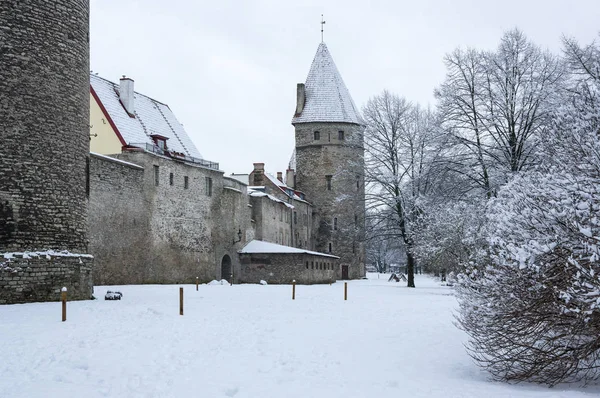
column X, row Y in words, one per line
column 335, row 223
column 156, row 175
column 340, row 135
column 329, row 247
column 317, row 135
column 185, row 182
column 170, row 178
column 208, row 181
column 328, row 178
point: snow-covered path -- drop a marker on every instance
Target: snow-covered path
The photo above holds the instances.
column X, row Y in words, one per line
column 249, row 341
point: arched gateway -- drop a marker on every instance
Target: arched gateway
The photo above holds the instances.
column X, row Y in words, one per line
column 226, row 270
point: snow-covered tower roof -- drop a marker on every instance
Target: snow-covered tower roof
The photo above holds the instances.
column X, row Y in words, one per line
column 325, row 97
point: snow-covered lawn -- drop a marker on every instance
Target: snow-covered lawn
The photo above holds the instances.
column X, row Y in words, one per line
column 249, row 341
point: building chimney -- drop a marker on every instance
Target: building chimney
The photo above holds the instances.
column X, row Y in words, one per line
column 280, row 176
column 258, row 175
column 300, row 98
column 289, row 178
column 126, row 94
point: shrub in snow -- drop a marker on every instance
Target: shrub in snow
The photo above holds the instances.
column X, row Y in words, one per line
column 531, row 303
column 263, row 282
column 530, row 300
column 113, row 295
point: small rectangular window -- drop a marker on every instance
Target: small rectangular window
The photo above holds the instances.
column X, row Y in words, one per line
column 335, row 225
column 295, row 218
column 328, row 178
column 340, row 135
column 329, row 247
column 170, row 178
column 185, row 182
column 155, row 175
column 208, row 181
column 317, row 135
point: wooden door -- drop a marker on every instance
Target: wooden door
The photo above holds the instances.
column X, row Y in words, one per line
column 345, row 272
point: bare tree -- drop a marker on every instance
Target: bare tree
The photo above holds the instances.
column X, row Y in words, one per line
column 402, row 146
column 495, row 106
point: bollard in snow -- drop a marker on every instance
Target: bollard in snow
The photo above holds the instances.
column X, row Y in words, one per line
column 180, row 301
column 294, row 289
column 63, row 298
column 196, row 283
column 345, row 290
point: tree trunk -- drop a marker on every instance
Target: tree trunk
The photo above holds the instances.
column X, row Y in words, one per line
column 410, row 268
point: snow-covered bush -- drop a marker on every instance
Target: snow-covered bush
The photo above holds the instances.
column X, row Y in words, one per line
column 530, row 300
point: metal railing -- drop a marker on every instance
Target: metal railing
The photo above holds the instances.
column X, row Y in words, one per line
column 176, row 155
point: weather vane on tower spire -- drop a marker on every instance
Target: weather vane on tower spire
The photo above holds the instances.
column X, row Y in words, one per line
column 322, row 25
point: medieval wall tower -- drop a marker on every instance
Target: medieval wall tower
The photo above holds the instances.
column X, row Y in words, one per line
column 330, row 163
column 44, row 131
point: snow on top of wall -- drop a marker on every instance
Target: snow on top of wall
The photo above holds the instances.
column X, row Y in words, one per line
column 151, row 117
column 46, row 253
column 116, row 160
column 258, row 246
column 327, row 98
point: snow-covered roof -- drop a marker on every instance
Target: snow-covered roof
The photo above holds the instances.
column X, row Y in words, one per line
column 258, row 246
column 327, row 98
column 259, row 194
column 289, row 191
column 243, row 178
column 151, row 117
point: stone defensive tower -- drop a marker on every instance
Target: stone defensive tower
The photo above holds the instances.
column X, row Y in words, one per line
column 44, row 134
column 330, row 162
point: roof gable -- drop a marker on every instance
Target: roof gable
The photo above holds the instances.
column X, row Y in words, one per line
column 151, row 118
column 327, row 98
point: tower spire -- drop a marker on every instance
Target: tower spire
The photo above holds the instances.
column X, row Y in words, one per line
column 322, row 25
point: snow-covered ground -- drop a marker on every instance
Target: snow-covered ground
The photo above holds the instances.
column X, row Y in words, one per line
column 249, row 341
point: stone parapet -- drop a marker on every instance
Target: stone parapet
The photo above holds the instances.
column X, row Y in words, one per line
column 28, row 277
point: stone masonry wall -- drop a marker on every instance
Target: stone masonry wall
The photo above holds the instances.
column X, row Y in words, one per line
column 39, row 276
column 234, row 217
column 119, row 222
column 44, row 129
column 273, row 220
column 284, row 268
column 185, row 239
column 343, row 160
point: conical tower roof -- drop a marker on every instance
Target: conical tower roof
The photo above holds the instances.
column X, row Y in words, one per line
column 327, row 98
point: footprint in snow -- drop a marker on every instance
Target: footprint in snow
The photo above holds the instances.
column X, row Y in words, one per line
column 231, row 392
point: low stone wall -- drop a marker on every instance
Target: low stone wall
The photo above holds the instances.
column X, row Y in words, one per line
column 283, row 268
column 39, row 276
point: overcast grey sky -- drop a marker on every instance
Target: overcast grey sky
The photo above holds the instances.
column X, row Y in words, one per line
column 228, row 69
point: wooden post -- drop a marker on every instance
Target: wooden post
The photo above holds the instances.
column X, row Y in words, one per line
column 345, row 290
column 294, row 289
column 180, row 301
column 196, row 283
column 63, row 298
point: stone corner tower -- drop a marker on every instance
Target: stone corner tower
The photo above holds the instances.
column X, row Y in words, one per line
column 330, row 163
column 44, row 130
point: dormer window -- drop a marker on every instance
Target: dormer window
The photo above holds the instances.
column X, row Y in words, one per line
column 160, row 141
